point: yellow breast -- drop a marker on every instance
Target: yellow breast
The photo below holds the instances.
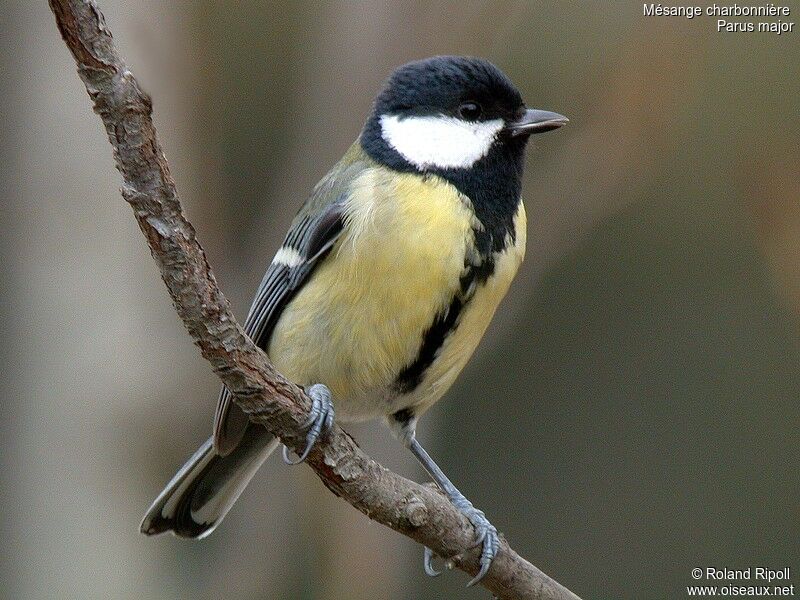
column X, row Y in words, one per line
column 361, row 316
column 363, row 313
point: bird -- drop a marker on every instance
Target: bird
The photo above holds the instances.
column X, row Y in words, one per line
column 385, row 282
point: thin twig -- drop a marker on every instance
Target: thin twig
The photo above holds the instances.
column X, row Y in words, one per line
column 420, row 512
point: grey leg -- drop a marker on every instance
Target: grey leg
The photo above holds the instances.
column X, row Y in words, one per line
column 486, row 533
column 320, row 417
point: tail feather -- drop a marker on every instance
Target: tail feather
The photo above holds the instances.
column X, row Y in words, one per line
column 205, row 488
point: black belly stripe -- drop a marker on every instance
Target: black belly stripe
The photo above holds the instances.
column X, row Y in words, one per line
column 411, row 376
column 488, row 242
column 444, row 324
column 404, row 416
column 493, row 186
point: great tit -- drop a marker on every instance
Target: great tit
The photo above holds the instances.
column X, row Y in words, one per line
column 386, row 281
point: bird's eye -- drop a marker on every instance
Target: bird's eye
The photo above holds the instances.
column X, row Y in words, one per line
column 470, row 111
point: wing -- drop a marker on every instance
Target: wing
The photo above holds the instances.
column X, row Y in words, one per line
column 311, row 236
column 309, row 240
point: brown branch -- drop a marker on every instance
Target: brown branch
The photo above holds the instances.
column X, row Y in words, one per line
column 419, row 512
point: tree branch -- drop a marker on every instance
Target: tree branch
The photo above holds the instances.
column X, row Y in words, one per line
column 419, row 512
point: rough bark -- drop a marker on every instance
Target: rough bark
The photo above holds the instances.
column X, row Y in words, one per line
column 421, row 512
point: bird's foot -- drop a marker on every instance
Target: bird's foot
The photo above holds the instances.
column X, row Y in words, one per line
column 485, row 535
column 319, row 419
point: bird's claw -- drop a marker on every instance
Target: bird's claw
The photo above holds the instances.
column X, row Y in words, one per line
column 428, row 564
column 320, row 419
column 485, row 536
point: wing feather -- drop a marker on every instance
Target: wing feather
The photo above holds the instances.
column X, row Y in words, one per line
column 311, row 237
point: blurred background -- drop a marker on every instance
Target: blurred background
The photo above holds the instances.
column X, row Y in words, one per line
column 633, row 412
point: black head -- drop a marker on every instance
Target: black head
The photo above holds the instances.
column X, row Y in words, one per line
column 461, row 119
column 461, row 87
column 448, row 112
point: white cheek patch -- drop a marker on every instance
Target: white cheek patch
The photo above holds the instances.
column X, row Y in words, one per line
column 439, row 141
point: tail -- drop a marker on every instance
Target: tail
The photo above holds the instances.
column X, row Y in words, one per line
column 205, row 488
